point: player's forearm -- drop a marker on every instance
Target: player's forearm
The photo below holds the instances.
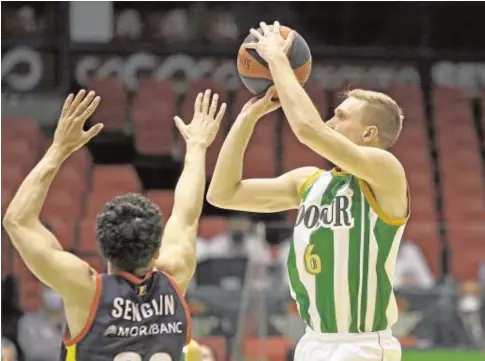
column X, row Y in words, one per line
column 27, row 203
column 189, row 192
column 229, row 167
column 297, row 105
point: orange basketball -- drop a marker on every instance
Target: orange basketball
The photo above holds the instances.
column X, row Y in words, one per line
column 254, row 71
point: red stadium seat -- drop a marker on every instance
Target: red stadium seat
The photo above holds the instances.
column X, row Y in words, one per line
column 464, row 196
column 164, row 199
column 98, row 198
column 8, row 253
column 116, row 177
column 296, row 154
column 29, row 285
column 21, row 129
column 62, row 203
column 62, row 228
column 211, row 226
column 152, row 112
column 462, row 182
column 110, row 181
column 467, row 249
column 87, row 236
column 72, row 180
column 273, row 348
column 112, row 110
column 425, row 235
column 96, row 262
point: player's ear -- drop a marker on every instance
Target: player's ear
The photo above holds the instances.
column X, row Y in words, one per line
column 370, row 134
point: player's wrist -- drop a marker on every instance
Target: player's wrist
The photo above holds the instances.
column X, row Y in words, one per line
column 276, row 57
column 197, row 145
column 57, row 153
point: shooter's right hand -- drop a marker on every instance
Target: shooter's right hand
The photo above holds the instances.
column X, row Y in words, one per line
column 258, row 107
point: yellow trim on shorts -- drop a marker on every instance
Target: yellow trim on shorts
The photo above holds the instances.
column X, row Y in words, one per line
column 308, row 182
column 71, row 353
column 193, row 351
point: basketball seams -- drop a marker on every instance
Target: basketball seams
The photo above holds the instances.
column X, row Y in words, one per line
column 254, row 70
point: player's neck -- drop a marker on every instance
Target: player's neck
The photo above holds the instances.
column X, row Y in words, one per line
column 139, row 273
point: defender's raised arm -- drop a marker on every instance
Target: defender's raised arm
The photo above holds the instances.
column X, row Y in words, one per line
column 177, row 256
column 38, row 247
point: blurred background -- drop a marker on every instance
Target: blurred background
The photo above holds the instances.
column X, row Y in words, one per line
column 148, row 60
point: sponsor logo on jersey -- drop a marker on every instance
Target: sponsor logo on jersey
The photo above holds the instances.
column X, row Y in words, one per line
column 111, row 331
column 166, row 328
column 334, row 215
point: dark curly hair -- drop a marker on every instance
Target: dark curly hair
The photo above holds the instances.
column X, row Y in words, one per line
column 129, row 231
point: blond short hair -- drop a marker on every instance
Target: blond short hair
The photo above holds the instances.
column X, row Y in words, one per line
column 385, row 113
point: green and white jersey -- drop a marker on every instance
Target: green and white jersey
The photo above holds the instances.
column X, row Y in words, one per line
column 342, row 256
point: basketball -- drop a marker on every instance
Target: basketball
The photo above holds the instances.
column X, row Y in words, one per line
column 254, row 71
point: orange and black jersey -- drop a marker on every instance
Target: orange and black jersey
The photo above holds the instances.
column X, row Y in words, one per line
column 132, row 319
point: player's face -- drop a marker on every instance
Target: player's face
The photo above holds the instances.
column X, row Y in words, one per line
column 348, row 121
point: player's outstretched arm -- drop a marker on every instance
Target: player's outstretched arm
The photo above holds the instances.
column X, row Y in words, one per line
column 38, row 247
column 376, row 166
column 177, row 256
column 229, row 190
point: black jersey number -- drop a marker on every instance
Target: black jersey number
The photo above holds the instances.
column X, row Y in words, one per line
column 133, row 356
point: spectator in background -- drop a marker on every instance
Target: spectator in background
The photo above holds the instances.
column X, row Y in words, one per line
column 174, row 26
column 129, row 24
column 40, row 332
column 239, row 241
column 412, row 271
column 9, row 351
column 223, row 28
column 26, row 18
column 469, row 307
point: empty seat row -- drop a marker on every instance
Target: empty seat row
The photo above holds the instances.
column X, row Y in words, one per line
column 152, row 114
column 79, row 191
column 461, row 176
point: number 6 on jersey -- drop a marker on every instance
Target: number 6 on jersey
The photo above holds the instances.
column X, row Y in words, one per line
column 313, row 263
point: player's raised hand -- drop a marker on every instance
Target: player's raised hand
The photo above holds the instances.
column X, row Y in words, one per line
column 270, row 43
column 69, row 135
column 205, row 123
column 257, row 107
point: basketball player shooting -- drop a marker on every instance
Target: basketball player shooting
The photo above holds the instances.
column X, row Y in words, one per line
column 351, row 218
column 137, row 311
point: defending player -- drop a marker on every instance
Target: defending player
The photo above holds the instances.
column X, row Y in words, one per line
column 351, row 218
column 137, row 311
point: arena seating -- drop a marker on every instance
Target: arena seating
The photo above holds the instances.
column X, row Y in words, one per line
column 212, row 226
column 164, row 199
column 461, row 173
column 110, row 181
column 82, row 188
column 152, row 112
column 109, row 112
